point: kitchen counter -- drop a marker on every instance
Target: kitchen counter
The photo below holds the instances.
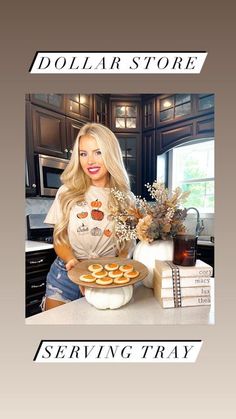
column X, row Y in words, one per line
column 143, row 309
column 205, row 242
column 32, row 246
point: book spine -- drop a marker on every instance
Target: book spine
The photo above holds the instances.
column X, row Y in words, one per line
column 186, row 292
column 194, row 281
column 186, row 302
column 191, row 271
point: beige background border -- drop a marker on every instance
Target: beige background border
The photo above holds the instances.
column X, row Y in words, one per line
column 31, row 390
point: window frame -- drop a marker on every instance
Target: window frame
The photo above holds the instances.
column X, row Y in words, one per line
column 170, row 171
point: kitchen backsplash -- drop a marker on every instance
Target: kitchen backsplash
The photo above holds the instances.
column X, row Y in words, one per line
column 208, row 222
column 37, row 206
column 42, row 205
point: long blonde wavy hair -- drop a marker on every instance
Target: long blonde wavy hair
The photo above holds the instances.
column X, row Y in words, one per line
column 76, row 182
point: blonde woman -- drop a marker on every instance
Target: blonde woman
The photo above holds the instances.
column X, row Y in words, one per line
column 83, row 226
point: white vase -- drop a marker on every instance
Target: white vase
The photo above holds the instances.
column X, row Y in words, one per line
column 148, row 253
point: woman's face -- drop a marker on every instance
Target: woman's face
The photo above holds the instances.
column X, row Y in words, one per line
column 91, row 161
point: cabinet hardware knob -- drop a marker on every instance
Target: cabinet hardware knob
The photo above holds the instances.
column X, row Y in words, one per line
column 33, row 186
column 66, row 150
column 36, row 262
column 71, row 151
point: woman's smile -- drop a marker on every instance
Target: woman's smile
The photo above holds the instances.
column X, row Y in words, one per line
column 93, row 170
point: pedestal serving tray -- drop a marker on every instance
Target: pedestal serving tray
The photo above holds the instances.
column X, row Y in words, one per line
column 82, row 268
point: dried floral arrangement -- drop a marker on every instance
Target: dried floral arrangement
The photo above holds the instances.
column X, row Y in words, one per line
column 148, row 221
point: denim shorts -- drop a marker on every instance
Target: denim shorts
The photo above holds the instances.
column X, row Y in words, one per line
column 59, row 287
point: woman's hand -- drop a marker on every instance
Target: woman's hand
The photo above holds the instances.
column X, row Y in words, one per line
column 71, row 264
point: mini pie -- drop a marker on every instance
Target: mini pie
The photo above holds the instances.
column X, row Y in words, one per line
column 111, row 266
column 132, row 274
column 106, row 280
column 87, row 278
column 126, row 268
column 96, row 267
column 100, row 274
column 115, row 274
column 121, row 280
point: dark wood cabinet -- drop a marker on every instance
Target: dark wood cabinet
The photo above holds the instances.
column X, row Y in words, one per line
column 101, row 109
column 72, row 130
column 37, row 266
column 173, row 108
column 149, row 125
column 149, row 113
column 180, row 133
column 30, row 180
column 79, row 106
column 207, row 254
column 49, row 132
column 130, row 147
column 53, row 101
column 149, row 156
column 125, row 122
column 125, row 115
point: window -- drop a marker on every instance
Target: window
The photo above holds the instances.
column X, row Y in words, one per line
column 192, row 168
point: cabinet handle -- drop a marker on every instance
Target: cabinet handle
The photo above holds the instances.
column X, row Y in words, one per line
column 71, row 151
column 38, row 286
column 36, row 262
column 33, row 186
column 66, row 150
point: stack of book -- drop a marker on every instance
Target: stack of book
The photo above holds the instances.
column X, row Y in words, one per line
column 182, row 286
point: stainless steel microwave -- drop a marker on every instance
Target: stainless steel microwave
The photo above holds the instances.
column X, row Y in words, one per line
column 49, row 170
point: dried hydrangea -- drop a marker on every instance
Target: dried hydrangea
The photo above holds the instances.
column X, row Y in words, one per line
column 148, row 221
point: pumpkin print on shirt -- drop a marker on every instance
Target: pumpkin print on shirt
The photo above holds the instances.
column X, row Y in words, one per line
column 90, row 231
column 82, row 214
column 96, row 231
column 96, row 213
column 107, row 232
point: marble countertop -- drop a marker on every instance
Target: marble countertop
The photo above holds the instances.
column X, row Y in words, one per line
column 142, row 309
column 32, row 246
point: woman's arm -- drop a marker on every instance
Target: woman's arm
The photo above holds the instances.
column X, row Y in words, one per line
column 66, row 253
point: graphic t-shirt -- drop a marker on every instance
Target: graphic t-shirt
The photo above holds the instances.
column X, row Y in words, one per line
column 90, row 227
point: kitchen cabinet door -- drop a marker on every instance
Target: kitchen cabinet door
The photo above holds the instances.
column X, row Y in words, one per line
column 130, row 144
column 30, row 181
column 49, row 132
column 72, row 130
column 101, row 109
column 53, row 101
column 149, row 159
column 37, row 265
column 125, row 116
column 79, row 106
column 149, row 113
